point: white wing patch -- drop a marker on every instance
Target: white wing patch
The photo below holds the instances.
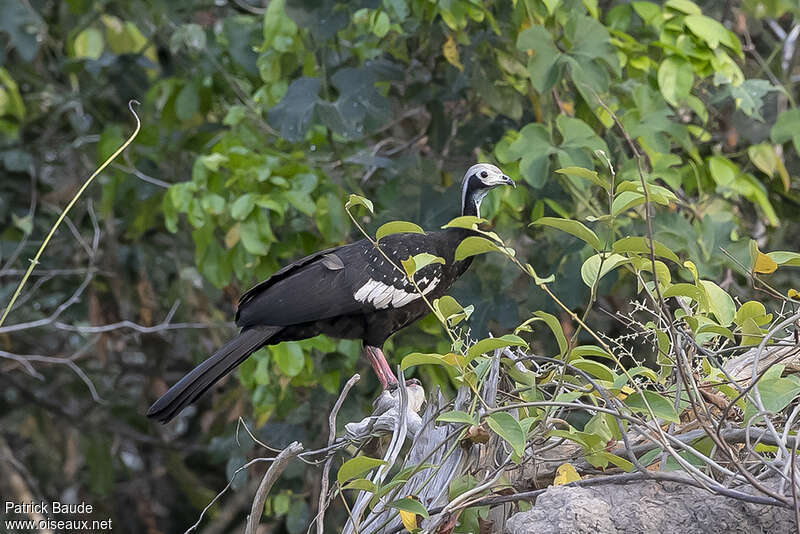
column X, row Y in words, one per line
column 382, row 295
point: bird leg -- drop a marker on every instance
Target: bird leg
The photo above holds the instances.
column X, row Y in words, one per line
column 381, row 367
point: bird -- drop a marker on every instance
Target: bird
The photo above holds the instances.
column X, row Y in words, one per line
column 351, row 291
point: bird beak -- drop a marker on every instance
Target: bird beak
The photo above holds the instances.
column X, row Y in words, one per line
column 509, row 181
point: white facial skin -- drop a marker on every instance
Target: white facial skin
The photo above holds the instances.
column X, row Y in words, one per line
column 494, row 176
column 486, row 173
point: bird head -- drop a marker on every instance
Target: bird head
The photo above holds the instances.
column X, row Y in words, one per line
column 478, row 181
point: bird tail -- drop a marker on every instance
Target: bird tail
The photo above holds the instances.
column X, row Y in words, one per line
column 205, row 375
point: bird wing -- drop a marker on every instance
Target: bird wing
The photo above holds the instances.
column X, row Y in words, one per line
column 279, row 275
column 313, row 288
column 347, row 280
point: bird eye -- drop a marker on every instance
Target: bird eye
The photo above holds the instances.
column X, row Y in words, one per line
column 484, row 174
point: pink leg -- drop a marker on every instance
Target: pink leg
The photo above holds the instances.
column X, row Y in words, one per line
column 381, row 367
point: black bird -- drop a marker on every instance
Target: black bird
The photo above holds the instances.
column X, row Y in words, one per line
column 350, row 291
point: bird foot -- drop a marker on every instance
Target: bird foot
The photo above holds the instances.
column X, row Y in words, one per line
column 381, row 367
column 386, row 411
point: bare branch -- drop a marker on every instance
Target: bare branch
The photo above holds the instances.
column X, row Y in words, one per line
column 323, row 492
column 278, row 465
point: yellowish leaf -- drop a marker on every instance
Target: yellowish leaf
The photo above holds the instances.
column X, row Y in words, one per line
column 232, row 236
column 764, row 264
column 692, row 268
column 409, row 520
column 783, row 173
column 793, row 294
column 565, row 474
column 450, row 51
column 624, row 392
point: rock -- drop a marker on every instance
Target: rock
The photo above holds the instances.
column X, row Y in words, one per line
column 645, row 507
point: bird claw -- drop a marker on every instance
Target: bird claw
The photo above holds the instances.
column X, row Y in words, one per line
column 386, row 412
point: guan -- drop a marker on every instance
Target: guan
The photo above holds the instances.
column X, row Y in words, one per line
column 352, row 291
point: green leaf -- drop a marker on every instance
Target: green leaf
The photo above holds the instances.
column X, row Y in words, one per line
column 719, row 302
column 213, row 203
column 605, row 457
column 265, row 201
column 213, row 161
column 599, row 265
column 723, row 171
column 447, row 306
column 782, row 257
column 508, row 428
column 686, row 290
column 474, row 245
column 756, row 193
column 715, row 329
column 277, row 23
column 360, row 484
column 595, row 369
column 413, row 264
column 489, row 344
column 543, row 65
column 587, row 174
column 648, row 11
column 764, row 158
column 409, row 505
column 289, row 357
column 292, row 116
column 589, row 350
column 242, row 207
column 457, row 416
column 575, row 228
column 25, row 29
column 450, row 310
column 419, row 358
column 358, row 200
column 787, row 128
column 641, row 245
column 661, row 406
column 301, row 201
column 469, row 222
column 25, row 224
column 360, row 108
column 251, row 239
column 11, row 103
column 777, row 393
column 536, row 278
column 191, row 35
column 262, row 374
column 555, row 326
column 684, row 6
column 752, row 309
column 749, row 96
column 710, row 31
column 639, row 371
column 751, row 333
column 533, row 148
column 355, row 467
column 626, row 200
column 398, row 227
column 187, row 102
column 675, row 77
column 88, row 44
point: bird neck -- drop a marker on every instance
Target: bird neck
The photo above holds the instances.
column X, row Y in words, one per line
column 471, row 196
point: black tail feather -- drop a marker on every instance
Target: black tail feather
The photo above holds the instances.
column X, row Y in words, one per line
column 205, row 375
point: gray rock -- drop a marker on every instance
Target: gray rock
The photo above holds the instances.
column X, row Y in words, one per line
column 646, row 507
